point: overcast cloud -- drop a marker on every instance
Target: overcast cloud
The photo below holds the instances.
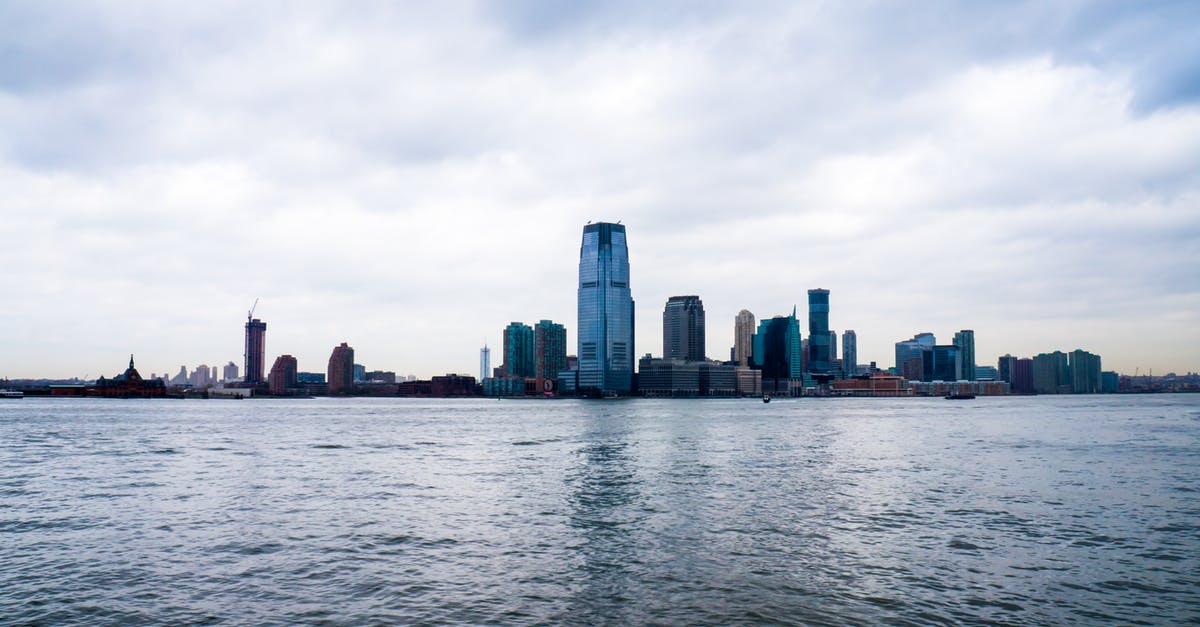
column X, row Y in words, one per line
column 410, row 179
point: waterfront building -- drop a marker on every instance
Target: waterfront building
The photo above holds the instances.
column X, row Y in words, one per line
column 941, row 363
column 1051, row 373
column 1085, row 372
column 850, row 353
column 310, row 377
column 229, row 372
column 1110, row 382
column 381, row 376
column 256, row 332
column 549, row 349
column 820, row 351
column 504, row 386
column 605, row 312
column 908, row 350
column 518, row 350
column 283, row 375
column 685, row 378
column 128, row 384
column 986, row 373
column 360, row 373
column 965, row 341
column 875, row 385
column 683, row 328
column 485, row 362
column 777, row 352
column 341, row 370
column 1004, row 367
column 1021, row 381
column 743, row 337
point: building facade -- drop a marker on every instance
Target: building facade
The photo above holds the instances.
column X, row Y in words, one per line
column 341, row 370
column 743, row 337
column 820, row 350
column 283, row 376
column 1085, row 372
column 518, row 350
column 683, row 328
column 549, row 349
column 256, row 346
column 908, row 350
column 941, row 363
column 850, row 353
column 777, row 352
column 965, row 341
column 605, row 335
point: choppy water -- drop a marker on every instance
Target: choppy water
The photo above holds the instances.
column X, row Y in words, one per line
column 1019, row 511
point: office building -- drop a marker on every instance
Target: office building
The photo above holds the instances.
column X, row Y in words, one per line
column 485, row 362
column 777, row 352
column 360, row 373
column 743, row 337
column 229, row 372
column 941, row 363
column 518, row 350
column 683, row 328
column 256, row 332
column 909, row 356
column 606, row 323
column 549, row 349
column 283, row 375
column 310, row 377
column 820, row 350
column 341, row 370
column 683, row 378
column 1085, row 372
column 850, row 353
column 965, row 341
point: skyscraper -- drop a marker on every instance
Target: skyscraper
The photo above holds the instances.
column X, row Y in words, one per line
column 777, row 351
column 283, row 375
column 820, row 352
column 256, row 365
column 485, row 362
column 743, row 337
column 965, row 341
column 606, row 329
column 1085, row 372
column 341, row 370
column 683, row 328
column 908, row 355
column 518, row 350
column 850, row 352
column 549, row 349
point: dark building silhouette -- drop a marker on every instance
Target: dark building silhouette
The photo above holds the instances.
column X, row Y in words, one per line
column 941, row 363
column 776, row 352
column 341, row 370
column 683, row 328
column 128, row 384
column 283, row 375
column 256, row 332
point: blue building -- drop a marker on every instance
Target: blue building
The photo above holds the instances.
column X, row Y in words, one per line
column 518, row 350
column 605, row 337
column 820, row 345
column 941, row 363
column 777, row 353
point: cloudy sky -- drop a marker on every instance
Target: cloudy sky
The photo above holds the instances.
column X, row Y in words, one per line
column 409, row 178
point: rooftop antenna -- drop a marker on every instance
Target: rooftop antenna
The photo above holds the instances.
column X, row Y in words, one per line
column 250, row 314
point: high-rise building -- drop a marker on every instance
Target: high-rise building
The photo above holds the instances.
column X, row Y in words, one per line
column 965, row 341
column 820, row 355
column 256, row 332
column 341, row 370
column 777, row 351
column 485, row 362
column 683, row 328
column 1051, row 373
column 850, row 352
column 229, row 372
column 941, row 363
column 1085, row 372
column 549, row 349
column 909, row 350
column 518, row 350
column 743, row 337
column 283, row 375
column 606, row 330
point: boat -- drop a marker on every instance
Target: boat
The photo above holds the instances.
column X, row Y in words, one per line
column 959, row 397
column 766, row 398
column 12, row 394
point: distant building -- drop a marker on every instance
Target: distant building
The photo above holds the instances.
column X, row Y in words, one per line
column 986, row 373
column 777, row 352
column 683, row 328
column 850, row 353
column 360, row 373
column 965, row 341
column 549, row 349
column 485, row 362
column 381, row 376
column 876, row 385
column 908, row 350
column 606, row 312
column 128, row 384
column 820, row 351
column 743, row 337
column 256, row 332
column 942, row 363
column 310, row 377
column 283, row 375
column 1085, row 372
column 684, row 378
column 229, row 372
column 518, row 350
column 1051, row 373
column 1110, row 382
column 341, row 370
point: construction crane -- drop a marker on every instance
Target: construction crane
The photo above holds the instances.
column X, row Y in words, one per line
column 250, row 314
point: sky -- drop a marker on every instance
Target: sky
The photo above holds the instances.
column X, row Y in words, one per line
column 411, row 177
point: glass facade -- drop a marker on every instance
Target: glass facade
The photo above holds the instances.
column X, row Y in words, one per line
column 683, row 328
column 820, row 349
column 518, row 350
column 777, row 348
column 965, row 341
column 605, row 338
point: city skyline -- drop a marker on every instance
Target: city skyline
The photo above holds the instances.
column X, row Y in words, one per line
column 408, row 180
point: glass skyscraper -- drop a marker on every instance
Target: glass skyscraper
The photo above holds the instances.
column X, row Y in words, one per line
column 683, row 328
column 605, row 335
column 820, row 349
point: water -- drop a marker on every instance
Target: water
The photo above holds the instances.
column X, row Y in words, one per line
column 1018, row 511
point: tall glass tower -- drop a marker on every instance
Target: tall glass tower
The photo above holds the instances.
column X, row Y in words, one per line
column 820, row 349
column 605, row 311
